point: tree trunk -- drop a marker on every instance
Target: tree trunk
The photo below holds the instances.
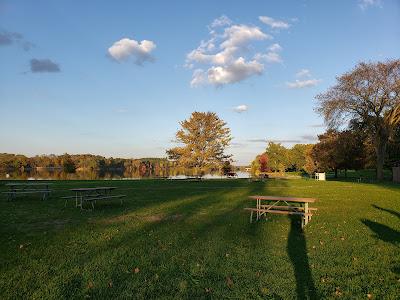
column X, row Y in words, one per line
column 336, row 172
column 380, row 149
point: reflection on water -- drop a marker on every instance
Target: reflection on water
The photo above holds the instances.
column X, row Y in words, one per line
column 58, row 174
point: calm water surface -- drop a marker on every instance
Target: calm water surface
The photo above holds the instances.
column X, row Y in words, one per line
column 46, row 174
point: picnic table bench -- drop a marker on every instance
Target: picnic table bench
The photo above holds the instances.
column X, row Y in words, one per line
column 92, row 195
column 22, row 188
column 282, row 206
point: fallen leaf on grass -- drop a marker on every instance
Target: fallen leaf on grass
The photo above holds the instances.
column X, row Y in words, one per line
column 24, row 245
column 338, row 292
column 90, row 285
column 208, row 290
column 229, row 282
column 264, row 291
column 110, row 284
column 369, row 296
column 136, row 270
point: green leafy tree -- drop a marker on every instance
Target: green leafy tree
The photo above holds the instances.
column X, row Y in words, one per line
column 310, row 166
column 369, row 94
column 278, row 157
column 204, row 138
column 339, row 150
column 297, row 156
column 67, row 163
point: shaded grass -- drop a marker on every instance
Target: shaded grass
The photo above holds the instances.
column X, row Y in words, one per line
column 193, row 240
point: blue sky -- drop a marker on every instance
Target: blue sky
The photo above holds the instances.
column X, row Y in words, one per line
column 115, row 77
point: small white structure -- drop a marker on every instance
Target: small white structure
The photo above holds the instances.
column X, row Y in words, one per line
column 320, row 176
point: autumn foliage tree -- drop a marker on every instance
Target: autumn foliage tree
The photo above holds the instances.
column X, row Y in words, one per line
column 203, row 138
column 369, row 94
column 263, row 163
column 338, row 151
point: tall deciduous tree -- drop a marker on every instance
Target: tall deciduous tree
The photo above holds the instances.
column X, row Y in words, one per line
column 278, row 156
column 339, row 150
column 297, row 156
column 369, row 94
column 204, row 138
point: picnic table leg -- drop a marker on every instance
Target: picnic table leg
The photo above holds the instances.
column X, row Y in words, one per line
column 305, row 213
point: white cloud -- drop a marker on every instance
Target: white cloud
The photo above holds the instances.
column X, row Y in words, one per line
column 275, row 47
column 299, row 84
column 221, row 21
column 126, row 48
column 304, row 80
column 241, row 108
column 269, row 57
column 364, row 4
column 274, row 24
column 231, row 73
column 198, row 78
column 239, row 35
column 272, row 56
column 229, row 54
column 234, row 72
column 303, row 73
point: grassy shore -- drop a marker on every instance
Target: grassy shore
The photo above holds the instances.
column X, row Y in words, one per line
column 179, row 239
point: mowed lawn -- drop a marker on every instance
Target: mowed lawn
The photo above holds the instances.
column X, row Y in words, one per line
column 182, row 239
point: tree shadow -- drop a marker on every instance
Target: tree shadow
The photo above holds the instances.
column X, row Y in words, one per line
column 383, row 232
column 390, row 211
column 297, row 251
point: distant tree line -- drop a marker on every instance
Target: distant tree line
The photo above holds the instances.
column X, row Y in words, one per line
column 278, row 158
column 350, row 149
column 71, row 163
column 362, row 112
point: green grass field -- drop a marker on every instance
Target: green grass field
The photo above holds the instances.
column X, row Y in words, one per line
column 181, row 239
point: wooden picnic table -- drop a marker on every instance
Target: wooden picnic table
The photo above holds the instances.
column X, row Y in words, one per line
column 282, row 205
column 92, row 195
column 21, row 188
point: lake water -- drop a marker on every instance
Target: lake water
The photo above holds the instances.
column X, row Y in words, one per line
column 47, row 174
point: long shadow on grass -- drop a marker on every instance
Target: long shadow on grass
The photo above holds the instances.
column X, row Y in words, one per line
column 383, row 232
column 390, row 211
column 297, row 250
column 194, row 230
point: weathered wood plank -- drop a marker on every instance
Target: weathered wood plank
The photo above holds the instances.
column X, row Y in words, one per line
column 278, row 198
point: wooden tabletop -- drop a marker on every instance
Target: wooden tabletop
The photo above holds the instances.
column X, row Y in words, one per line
column 93, row 189
column 27, row 184
column 289, row 199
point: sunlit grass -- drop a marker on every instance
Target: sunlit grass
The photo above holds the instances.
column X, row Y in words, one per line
column 193, row 240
